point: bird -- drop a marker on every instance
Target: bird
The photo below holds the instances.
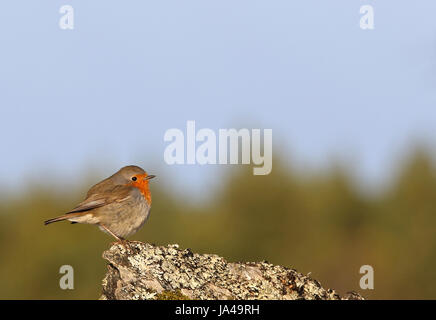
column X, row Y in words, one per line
column 119, row 205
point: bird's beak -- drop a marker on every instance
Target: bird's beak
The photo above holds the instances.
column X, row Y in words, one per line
column 151, row 176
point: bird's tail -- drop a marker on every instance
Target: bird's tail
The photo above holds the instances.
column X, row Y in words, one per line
column 63, row 217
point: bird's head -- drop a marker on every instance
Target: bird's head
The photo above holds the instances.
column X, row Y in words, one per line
column 133, row 175
column 136, row 177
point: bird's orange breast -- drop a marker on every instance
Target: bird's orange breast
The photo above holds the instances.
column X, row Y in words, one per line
column 143, row 186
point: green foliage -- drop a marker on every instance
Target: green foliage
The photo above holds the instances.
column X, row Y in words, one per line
column 319, row 223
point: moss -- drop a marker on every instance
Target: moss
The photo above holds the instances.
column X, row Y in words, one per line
column 171, row 295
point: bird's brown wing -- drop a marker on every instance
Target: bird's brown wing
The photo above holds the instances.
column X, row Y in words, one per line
column 117, row 193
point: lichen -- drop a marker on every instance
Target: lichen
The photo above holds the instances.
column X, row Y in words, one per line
column 171, row 295
column 170, row 273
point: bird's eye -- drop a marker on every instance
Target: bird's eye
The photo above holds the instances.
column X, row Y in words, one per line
column 134, row 178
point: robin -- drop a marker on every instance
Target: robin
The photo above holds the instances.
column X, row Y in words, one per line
column 118, row 205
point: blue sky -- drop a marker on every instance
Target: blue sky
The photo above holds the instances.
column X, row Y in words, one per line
column 104, row 93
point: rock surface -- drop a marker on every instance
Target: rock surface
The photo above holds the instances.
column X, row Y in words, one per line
column 145, row 271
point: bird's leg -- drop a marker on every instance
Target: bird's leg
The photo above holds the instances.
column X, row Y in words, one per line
column 122, row 241
column 111, row 233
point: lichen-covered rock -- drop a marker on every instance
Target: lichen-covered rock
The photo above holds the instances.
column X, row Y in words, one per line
column 144, row 271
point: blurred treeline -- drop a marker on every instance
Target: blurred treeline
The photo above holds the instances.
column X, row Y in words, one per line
column 320, row 223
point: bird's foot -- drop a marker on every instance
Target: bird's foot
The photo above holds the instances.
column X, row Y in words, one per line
column 127, row 245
